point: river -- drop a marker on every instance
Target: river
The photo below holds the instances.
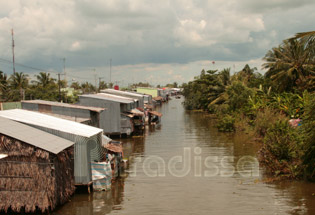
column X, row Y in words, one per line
column 185, row 166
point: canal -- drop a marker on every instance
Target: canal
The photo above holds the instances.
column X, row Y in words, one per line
column 185, row 166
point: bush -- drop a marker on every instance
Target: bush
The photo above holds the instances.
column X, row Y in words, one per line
column 265, row 119
column 309, row 138
column 281, row 140
column 238, row 95
column 226, row 123
column 282, row 150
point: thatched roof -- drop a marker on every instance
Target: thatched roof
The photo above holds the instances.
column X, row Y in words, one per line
column 32, row 179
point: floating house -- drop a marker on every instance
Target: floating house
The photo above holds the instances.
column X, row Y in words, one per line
column 36, row 169
column 87, row 139
column 154, row 92
column 78, row 113
column 136, row 96
column 115, row 121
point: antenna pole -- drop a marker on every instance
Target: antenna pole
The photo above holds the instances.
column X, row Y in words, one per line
column 110, row 71
column 12, row 33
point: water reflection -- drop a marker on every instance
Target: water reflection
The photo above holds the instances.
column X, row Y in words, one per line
column 223, row 192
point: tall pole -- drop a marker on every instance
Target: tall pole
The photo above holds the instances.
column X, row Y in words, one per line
column 13, row 50
column 59, row 87
column 64, row 68
column 99, row 83
column 95, row 78
column 110, row 71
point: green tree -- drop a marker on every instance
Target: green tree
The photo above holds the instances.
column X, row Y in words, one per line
column 44, row 80
column 75, row 85
column 4, row 86
column 88, row 87
column 102, row 85
column 239, row 95
column 290, row 65
column 18, row 84
column 309, row 138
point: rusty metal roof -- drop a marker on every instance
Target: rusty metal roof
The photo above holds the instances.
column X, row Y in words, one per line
column 59, row 104
column 137, row 112
column 114, row 147
column 156, row 113
column 158, row 98
column 33, row 136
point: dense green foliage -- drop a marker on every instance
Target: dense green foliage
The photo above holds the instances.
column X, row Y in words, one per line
column 18, row 87
column 264, row 104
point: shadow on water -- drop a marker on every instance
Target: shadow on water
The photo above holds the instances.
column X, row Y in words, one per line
column 194, row 193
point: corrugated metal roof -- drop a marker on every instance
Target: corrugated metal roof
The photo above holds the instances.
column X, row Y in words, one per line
column 71, row 118
column 33, row 136
column 103, row 97
column 117, row 97
column 119, row 92
column 142, row 94
column 96, row 109
column 44, row 120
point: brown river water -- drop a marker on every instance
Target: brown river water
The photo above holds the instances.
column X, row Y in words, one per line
column 185, row 166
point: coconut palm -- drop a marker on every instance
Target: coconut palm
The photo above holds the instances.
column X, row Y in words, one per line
column 4, row 86
column 87, row 87
column 75, row 85
column 44, row 79
column 308, row 36
column 18, row 83
column 289, row 65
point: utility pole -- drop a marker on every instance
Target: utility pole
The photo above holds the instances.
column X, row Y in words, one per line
column 64, row 68
column 99, row 83
column 95, row 78
column 59, row 87
column 12, row 33
column 110, row 71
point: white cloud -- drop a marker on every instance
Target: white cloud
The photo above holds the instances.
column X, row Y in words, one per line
column 150, row 35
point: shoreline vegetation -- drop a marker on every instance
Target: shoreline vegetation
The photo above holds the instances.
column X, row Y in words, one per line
column 276, row 109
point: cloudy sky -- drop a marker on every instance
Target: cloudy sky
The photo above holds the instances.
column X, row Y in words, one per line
column 156, row 41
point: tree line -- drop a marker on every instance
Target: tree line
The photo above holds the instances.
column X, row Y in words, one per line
column 19, row 86
column 277, row 107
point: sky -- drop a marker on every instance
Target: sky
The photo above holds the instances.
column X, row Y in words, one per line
column 158, row 42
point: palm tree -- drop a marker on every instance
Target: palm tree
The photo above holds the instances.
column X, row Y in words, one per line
column 87, row 87
column 308, row 36
column 19, row 82
column 75, row 85
column 103, row 85
column 3, row 86
column 44, row 79
column 289, row 65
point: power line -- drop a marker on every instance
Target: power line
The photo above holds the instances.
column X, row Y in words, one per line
column 38, row 69
column 29, row 67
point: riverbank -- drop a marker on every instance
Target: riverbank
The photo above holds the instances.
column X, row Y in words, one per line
column 141, row 193
column 283, row 122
